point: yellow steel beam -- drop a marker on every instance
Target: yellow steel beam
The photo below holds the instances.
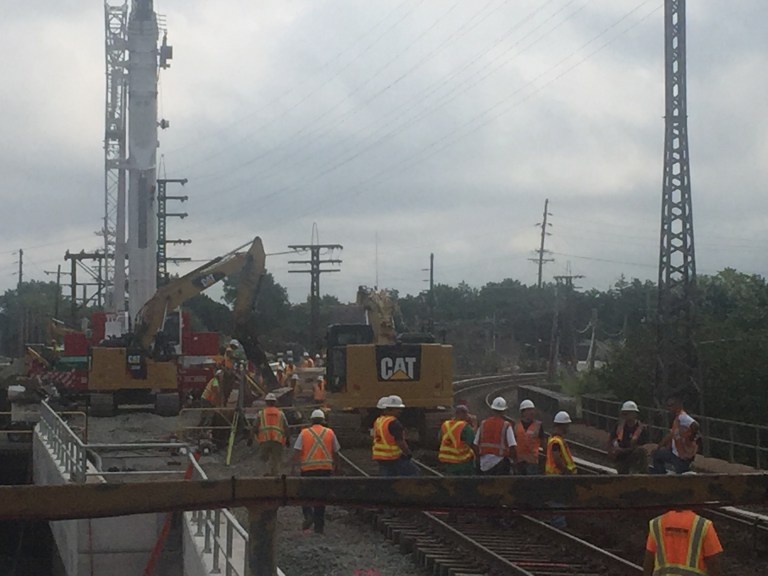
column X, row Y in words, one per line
column 514, row 493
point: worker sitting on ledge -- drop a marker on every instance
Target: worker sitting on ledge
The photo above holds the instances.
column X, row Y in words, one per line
column 679, row 447
column 627, row 439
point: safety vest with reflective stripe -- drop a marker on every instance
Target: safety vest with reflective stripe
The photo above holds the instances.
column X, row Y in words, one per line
column 684, row 441
column 271, row 425
column 453, row 450
column 693, row 555
column 493, row 436
column 316, row 448
column 528, row 441
column 212, row 392
column 384, row 445
column 565, row 452
column 635, row 435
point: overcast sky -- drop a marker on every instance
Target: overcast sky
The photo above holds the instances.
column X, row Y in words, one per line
column 436, row 126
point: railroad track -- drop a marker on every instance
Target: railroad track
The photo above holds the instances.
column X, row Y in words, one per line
column 755, row 522
column 470, row 545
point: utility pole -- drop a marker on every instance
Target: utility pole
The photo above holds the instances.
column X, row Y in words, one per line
column 431, row 294
column 676, row 363
column 314, row 271
column 541, row 252
column 58, row 288
column 22, row 308
column 77, row 260
column 162, row 218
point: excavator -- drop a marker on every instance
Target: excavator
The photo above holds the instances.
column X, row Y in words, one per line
column 371, row 360
column 145, row 364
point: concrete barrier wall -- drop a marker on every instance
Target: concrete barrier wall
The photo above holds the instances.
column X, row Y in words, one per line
column 118, row 546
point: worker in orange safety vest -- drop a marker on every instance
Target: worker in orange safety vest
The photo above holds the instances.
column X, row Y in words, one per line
column 682, row 542
column 495, row 441
column 390, row 448
column 529, row 434
column 457, row 451
column 679, row 447
column 316, row 451
column 271, row 431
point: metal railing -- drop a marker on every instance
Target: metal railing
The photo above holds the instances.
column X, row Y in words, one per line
column 219, row 529
column 64, row 444
column 736, row 442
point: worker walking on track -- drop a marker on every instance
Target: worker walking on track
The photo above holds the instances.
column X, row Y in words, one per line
column 316, row 451
column 627, row 440
column 495, row 441
column 682, row 542
column 530, row 435
column 318, row 390
column 457, row 451
column 271, row 430
column 390, row 448
column 679, row 447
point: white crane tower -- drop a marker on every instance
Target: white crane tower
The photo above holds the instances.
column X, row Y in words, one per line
column 133, row 57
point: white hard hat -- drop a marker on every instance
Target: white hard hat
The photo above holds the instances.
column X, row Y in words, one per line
column 526, row 404
column 294, row 377
column 629, row 406
column 320, row 378
column 499, row 404
column 306, row 354
column 317, row 414
column 234, row 342
column 382, row 403
column 562, row 417
column 270, row 397
column 317, row 355
column 395, row 402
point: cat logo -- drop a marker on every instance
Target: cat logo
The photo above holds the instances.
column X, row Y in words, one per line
column 397, row 368
column 398, row 363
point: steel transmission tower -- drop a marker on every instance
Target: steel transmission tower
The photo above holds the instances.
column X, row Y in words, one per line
column 116, row 43
column 676, row 357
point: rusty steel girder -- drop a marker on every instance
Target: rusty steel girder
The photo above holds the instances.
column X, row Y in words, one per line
column 512, row 493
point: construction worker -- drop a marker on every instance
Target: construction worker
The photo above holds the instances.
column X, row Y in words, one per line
column 457, row 451
column 627, row 440
column 271, row 430
column 316, row 451
column 530, row 435
column 559, row 458
column 682, row 542
column 678, row 448
column 306, row 361
column 210, row 400
column 390, row 448
column 318, row 361
column 318, row 389
column 280, row 376
column 496, row 442
column 295, row 384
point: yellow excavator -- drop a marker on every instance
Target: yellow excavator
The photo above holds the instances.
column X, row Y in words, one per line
column 143, row 365
column 371, row 360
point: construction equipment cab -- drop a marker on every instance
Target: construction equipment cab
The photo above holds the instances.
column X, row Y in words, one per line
column 368, row 361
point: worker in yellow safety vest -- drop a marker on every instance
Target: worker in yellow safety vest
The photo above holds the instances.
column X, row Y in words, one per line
column 271, row 430
column 682, row 542
column 457, row 451
column 529, row 434
column 316, row 451
column 210, row 400
column 559, row 459
column 390, row 449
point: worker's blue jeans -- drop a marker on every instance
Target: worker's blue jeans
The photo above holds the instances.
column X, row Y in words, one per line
column 315, row 514
column 399, row 467
column 664, row 456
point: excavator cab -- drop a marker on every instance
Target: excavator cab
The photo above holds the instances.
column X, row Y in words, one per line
column 340, row 336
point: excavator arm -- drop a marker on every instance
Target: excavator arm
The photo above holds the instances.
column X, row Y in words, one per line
column 380, row 310
column 152, row 315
